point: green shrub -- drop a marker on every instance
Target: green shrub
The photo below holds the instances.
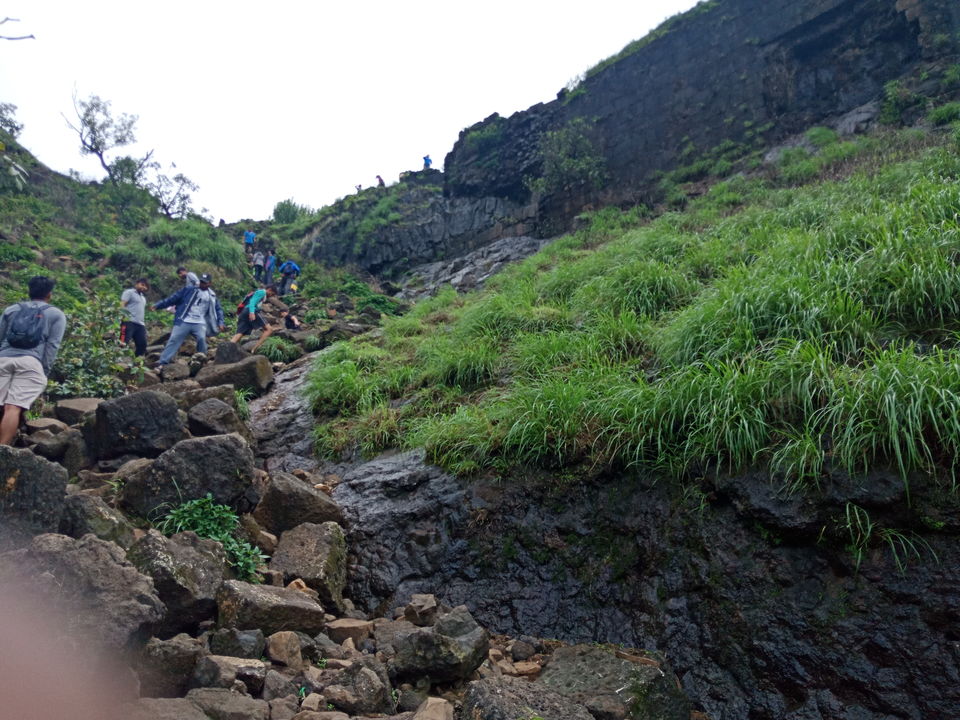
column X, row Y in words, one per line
column 569, row 159
column 945, row 114
column 212, row 520
column 287, row 211
column 278, row 349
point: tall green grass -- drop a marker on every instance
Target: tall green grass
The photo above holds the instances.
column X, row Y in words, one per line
column 795, row 328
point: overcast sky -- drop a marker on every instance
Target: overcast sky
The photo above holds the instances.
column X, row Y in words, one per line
column 259, row 102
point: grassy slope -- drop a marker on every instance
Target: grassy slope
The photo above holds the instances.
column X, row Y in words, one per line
column 791, row 326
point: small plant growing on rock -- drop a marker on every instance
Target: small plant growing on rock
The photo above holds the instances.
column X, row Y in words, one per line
column 241, row 397
column 277, row 349
column 218, row 522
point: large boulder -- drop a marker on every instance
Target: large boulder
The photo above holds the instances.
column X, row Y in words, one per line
column 254, row 373
column 84, row 514
column 166, row 666
column 223, row 704
column 225, row 393
column 220, row 671
column 215, row 417
column 142, row 423
column 362, row 689
column 74, row 410
column 89, row 581
column 31, row 495
column 508, row 698
column 219, row 465
column 163, row 709
column 187, row 572
column 317, row 554
column 595, row 677
column 238, row 643
column 450, row 650
column 271, row 609
column 288, row 501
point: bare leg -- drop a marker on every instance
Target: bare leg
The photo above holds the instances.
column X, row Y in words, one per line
column 9, row 424
column 267, row 332
column 236, row 338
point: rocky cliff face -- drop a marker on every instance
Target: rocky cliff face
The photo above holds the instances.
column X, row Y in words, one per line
column 734, row 71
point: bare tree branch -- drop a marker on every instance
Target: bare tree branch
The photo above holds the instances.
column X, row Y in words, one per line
column 21, row 37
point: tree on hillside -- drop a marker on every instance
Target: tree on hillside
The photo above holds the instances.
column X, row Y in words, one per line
column 14, row 37
column 100, row 133
column 173, row 193
column 8, row 122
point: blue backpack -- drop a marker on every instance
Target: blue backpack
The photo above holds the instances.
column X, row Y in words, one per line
column 26, row 326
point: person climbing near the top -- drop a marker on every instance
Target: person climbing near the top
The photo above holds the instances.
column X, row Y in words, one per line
column 427, row 162
column 380, row 182
column 289, row 272
column 249, row 237
column 269, row 265
column 257, row 261
column 248, row 317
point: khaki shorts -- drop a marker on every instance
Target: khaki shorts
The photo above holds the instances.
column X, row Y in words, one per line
column 21, row 380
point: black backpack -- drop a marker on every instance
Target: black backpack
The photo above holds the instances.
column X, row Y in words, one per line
column 25, row 327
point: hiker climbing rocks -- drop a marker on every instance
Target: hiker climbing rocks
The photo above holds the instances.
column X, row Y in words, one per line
column 291, row 321
column 258, row 260
column 248, row 317
column 427, row 162
column 269, row 265
column 249, row 237
column 189, row 279
column 198, row 313
column 289, row 272
column 134, row 302
column 380, row 182
column 30, row 336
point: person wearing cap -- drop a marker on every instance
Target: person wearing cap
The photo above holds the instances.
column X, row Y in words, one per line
column 134, row 302
column 198, row 313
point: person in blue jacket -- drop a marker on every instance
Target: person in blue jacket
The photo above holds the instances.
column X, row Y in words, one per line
column 289, row 272
column 198, row 313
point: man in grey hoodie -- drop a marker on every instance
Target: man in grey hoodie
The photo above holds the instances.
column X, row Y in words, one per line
column 30, row 335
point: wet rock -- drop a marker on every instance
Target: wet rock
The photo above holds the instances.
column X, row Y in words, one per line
column 271, row 609
column 282, row 422
column 278, row 685
column 163, row 709
column 362, row 689
column 142, row 423
column 316, row 554
column 288, row 502
column 219, row 465
column 73, row 410
column 503, row 698
column 595, row 677
column 166, row 666
column 284, row 648
column 224, row 704
column 421, row 610
column 229, row 353
column 83, row 514
column 109, row 603
column 187, row 572
column 32, row 493
column 450, row 650
column 219, row 671
column 215, row 417
column 238, row 643
column 254, row 373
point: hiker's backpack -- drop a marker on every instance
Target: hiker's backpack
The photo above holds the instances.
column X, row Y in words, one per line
column 243, row 303
column 25, row 327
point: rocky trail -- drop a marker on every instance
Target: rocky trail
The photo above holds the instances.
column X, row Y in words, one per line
column 350, row 618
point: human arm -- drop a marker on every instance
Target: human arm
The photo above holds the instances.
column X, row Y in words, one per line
column 171, row 300
column 58, row 325
column 126, row 297
column 255, row 301
column 221, row 323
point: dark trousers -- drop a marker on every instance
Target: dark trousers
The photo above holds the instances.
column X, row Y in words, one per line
column 258, row 273
column 137, row 333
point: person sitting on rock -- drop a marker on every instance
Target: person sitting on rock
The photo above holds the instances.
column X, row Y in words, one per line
column 248, row 317
column 291, row 321
column 198, row 313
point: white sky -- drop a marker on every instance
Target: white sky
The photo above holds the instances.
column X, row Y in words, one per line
column 259, row 102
